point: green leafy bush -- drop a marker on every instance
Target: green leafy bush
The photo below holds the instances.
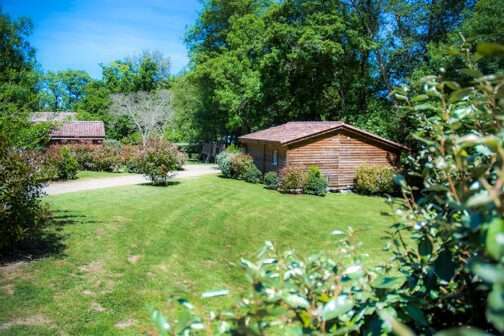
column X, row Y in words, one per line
column 271, row 180
column 158, row 159
column 375, row 180
column 240, row 164
column 252, row 174
column 326, row 293
column 62, row 161
column 316, row 183
column 292, row 180
column 21, row 214
column 223, row 160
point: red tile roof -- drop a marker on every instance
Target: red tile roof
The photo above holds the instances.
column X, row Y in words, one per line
column 296, row 131
column 79, row 129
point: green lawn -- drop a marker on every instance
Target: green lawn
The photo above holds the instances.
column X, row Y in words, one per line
column 88, row 174
column 130, row 248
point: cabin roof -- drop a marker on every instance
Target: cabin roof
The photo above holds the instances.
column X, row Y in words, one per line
column 296, row 131
column 79, row 129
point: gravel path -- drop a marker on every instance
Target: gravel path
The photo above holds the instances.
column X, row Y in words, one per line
column 57, row 188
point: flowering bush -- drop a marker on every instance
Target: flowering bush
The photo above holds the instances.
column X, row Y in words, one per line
column 239, row 164
column 61, row 163
column 374, row 180
column 158, row 159
column 21, row 213
column 292, row 180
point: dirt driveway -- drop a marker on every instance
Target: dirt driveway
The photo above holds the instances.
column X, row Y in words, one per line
column 57, row 188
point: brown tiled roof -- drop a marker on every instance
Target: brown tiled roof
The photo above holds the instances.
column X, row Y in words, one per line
column 296, row 131
column 79, row 129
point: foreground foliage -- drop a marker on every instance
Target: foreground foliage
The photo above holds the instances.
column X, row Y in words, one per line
column 21, row 214
column 448, row 242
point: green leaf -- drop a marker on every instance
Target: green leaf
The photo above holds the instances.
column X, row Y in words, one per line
column 471, row 73
column 425, row 247
column 161, row 323
column 337, row 307
column 479, row 199
column 398, row 328
column 416, row 314
column 401, row 97
column 296, row 301
column 444, row 267
column 495, row 308
column 420, row 98
column 489, row 273
column 423, row 107
column 460, row 94
column 463, row 331
column 388, row 282
column 490, row 49
column 495, row 238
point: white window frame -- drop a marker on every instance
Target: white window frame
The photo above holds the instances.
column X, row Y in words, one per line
column 274, row 158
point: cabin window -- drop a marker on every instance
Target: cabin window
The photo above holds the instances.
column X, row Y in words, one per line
column 274, row 159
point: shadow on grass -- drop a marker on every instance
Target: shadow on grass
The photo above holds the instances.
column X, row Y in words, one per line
column 167, row 184
column 48, row 242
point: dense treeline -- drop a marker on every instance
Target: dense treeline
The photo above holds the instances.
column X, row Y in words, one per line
column 257, row 63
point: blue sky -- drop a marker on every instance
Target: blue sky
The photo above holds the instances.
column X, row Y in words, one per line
column 80, row 34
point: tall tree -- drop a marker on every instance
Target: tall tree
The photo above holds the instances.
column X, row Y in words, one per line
column 62, row 90
column 147, row 72
column 149, row 111
column 18, row 80
column 17, row 66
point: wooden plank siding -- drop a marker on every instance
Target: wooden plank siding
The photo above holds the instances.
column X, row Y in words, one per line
column 322, row 152
column 355, row 151
column 339, row 156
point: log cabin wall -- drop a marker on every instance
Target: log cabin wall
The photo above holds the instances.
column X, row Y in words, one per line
column 322, row 152
column 355, row 151
column 339, row 155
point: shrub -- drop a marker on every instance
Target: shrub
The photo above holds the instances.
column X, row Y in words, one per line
column 157, row 160
column 316, row 183
column 271, row 180
column 60, row 163
column 21, row 214
column 223, row 160
column 292, row 180
column 130, row 158
column 232, row 163
column 239, row 164
column 373, row 180
column 252, row 174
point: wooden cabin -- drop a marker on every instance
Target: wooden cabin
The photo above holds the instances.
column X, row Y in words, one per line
column 338, row 149
column 69, row 130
